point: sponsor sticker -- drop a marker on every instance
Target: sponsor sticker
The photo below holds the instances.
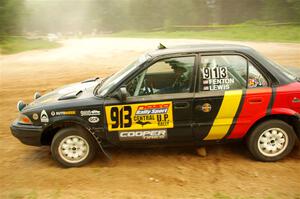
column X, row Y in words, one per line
column 93, row 119
column 216, row 78
column 90, row 112
column 60, row 113
column 158, row 115
column 44, row 117
column 143, row 135
column 218, row 72
column 152, row 109
column 206, row 107
column 35, row 116
column 253, row 83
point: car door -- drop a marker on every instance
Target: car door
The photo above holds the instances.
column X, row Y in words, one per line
column 222, row 84
column 159, row 106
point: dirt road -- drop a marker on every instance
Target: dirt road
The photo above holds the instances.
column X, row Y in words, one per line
column 29, row 172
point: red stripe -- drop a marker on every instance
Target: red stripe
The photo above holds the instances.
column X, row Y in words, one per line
column 255, row 107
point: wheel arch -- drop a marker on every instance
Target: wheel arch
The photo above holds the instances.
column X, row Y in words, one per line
column 292, row 120
column 51, row 130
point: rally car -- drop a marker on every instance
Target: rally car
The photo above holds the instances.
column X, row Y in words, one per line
column 194, row 94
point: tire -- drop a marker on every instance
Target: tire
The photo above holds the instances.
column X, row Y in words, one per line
column 271, row 140
column 73, row 147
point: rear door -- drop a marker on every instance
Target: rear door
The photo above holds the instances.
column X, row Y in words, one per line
column 159, row 107
column 222, row 84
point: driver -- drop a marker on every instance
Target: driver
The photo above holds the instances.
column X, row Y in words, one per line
column 181, row 81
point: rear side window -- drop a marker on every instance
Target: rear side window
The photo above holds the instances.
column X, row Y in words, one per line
column 255, row 78
column 228, row 72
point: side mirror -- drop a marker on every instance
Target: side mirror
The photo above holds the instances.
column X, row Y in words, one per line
column 122, row 94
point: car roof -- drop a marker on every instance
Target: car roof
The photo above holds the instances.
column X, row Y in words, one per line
column 226, row 48
column 193, row 48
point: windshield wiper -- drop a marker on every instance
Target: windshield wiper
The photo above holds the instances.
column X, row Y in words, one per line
column 97, row 88
column 106, row 78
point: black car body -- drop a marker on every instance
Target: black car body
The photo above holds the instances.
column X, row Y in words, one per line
column 210, row 93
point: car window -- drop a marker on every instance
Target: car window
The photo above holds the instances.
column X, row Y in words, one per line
column 121, row 74
column 172, row 75
column 229, row 72
column 223, row 72
column 255, row 78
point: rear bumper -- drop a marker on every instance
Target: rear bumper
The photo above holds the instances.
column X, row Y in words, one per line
column 297, row 127
column 27, row 134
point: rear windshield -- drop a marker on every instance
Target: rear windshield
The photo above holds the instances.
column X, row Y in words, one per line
column 283, row 69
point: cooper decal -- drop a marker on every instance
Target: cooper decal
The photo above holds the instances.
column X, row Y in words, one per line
column 143, row 135
column 93, row 119
column 157, row 115
column 89, row 112
column 44, row 117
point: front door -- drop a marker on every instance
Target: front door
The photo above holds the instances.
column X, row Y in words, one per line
column 159, row 106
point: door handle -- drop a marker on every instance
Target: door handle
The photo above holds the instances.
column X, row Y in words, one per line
column 255, row 100
column 181, row 105
column 296, row 100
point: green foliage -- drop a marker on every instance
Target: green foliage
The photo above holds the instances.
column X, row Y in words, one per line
column 279, row 33
column 85, row 16
column 11, row 12
column 14, row 45
column 22, row 194
column 281, row 10
column 151, row 15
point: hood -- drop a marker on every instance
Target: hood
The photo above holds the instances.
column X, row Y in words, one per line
column 66, row 93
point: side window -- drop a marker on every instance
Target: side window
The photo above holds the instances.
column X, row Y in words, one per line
column 255, row 78
column 172, row 75
column 223, row 72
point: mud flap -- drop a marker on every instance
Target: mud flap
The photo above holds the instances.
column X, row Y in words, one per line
column 99, row 141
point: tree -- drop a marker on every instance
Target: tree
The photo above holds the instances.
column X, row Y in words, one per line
column 11, row 12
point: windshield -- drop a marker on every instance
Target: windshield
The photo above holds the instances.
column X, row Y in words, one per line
column 118, row 76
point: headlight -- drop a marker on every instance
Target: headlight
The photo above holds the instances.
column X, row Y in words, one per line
column 20, row 105
column 23, row 119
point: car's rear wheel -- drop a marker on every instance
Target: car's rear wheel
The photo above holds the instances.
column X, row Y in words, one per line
column 73, row 147
column 271, row 140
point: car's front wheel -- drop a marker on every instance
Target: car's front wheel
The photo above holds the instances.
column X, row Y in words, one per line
column 73, row 147
column 271, row 140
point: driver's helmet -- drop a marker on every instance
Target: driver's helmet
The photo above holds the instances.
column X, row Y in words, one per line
column 177, row 65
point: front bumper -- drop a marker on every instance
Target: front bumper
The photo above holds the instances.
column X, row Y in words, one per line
column 27, row 134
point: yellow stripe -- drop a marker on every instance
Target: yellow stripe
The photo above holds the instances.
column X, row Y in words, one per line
column 223, row 121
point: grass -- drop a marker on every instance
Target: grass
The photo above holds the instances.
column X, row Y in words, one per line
column 280, row 33
column 241, row 32
column 21, row 194
column 20, row 44
column 224, row 196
